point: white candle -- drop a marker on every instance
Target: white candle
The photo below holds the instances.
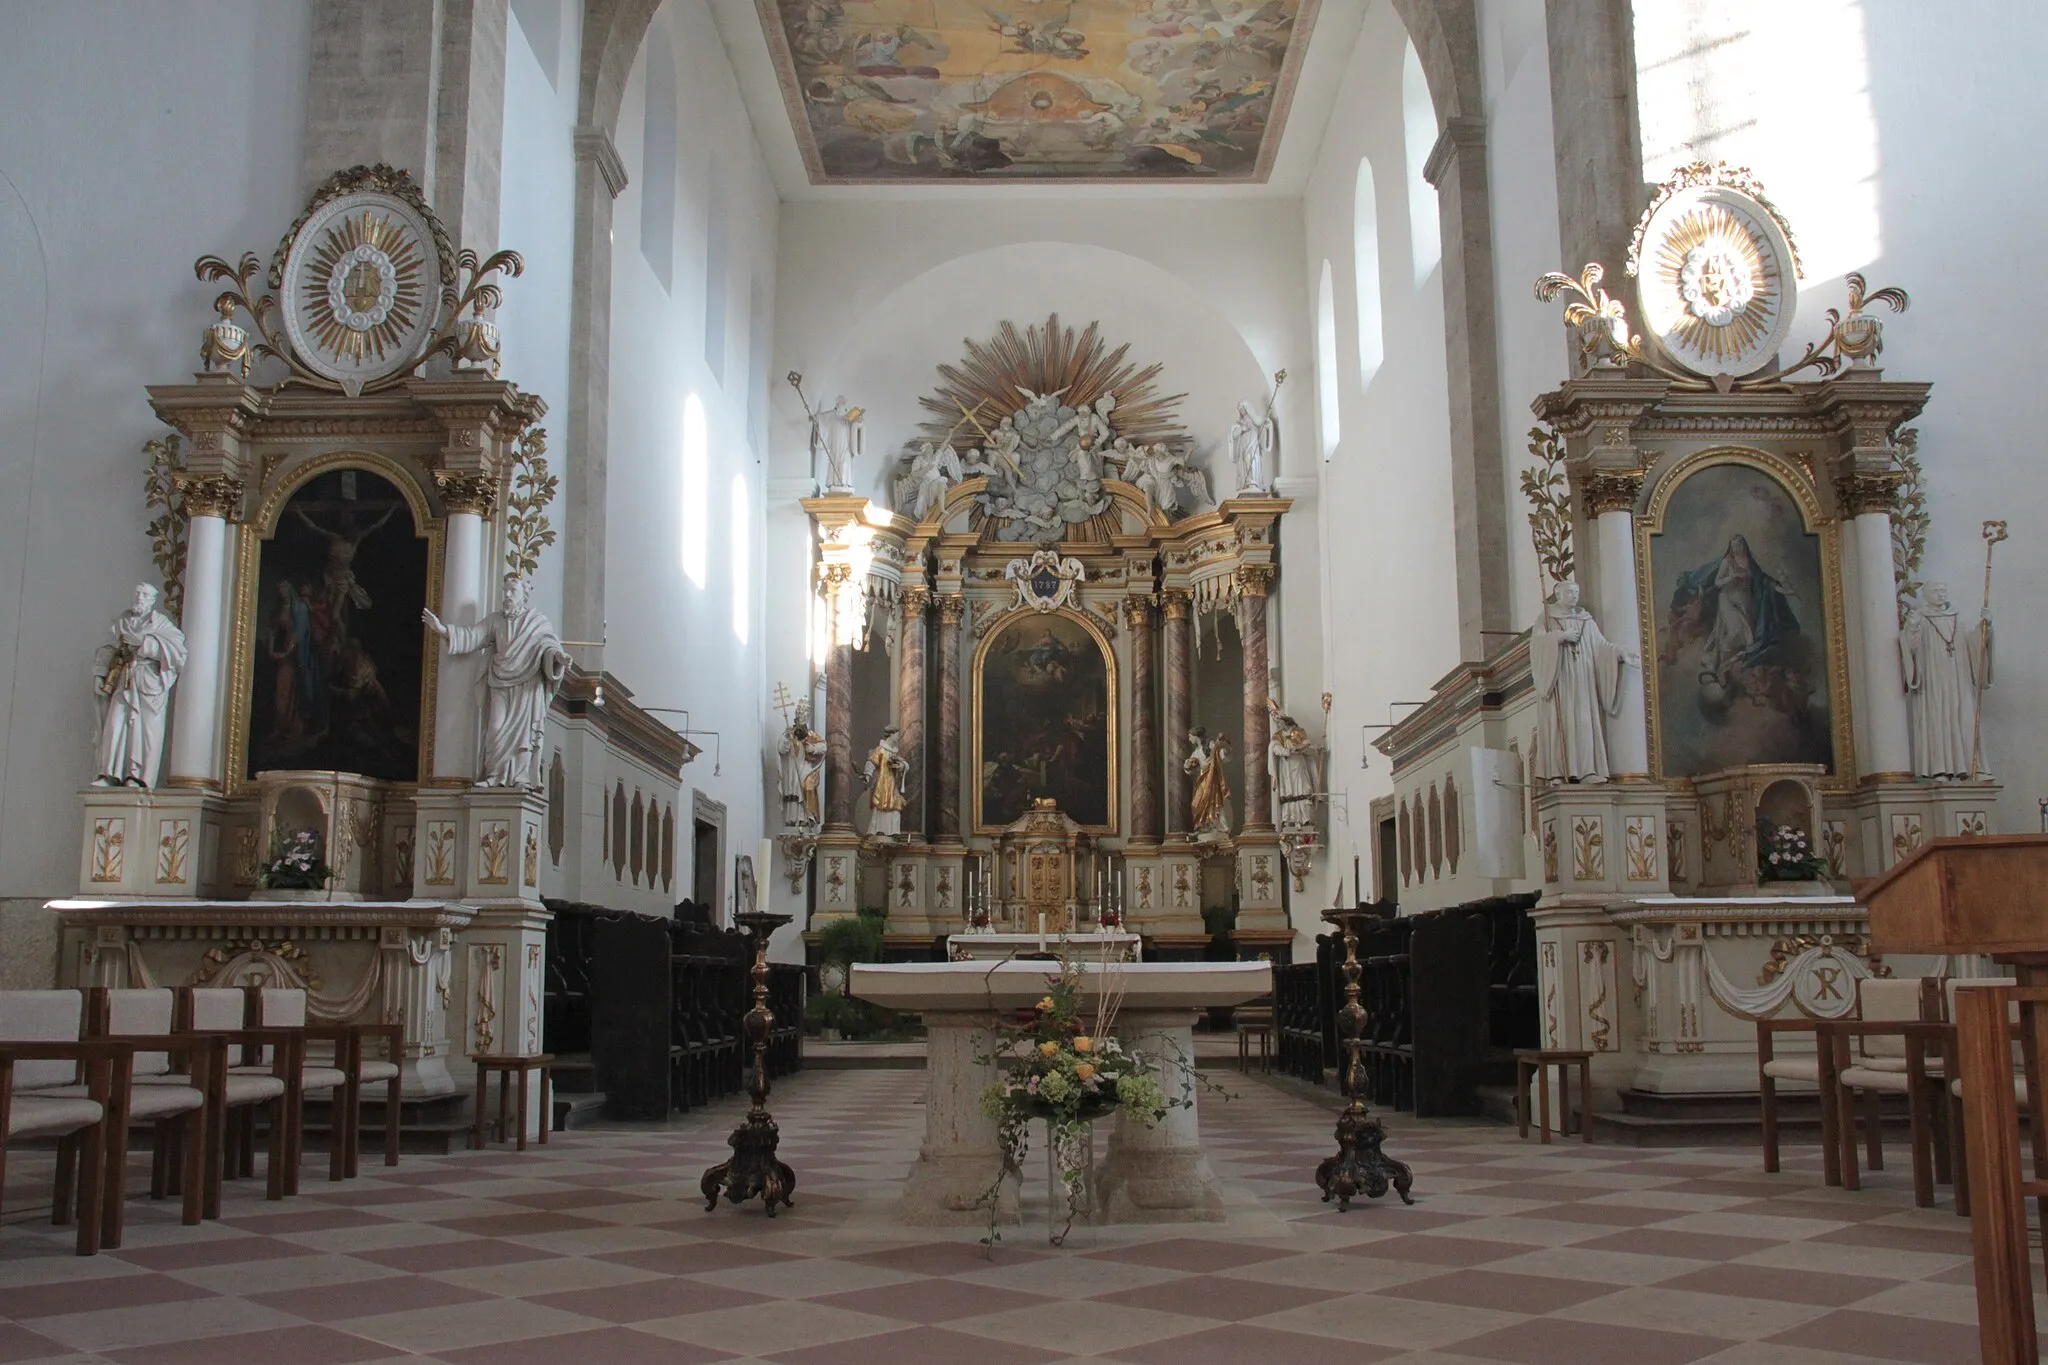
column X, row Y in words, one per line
column 764, row 872
column 1041, row 931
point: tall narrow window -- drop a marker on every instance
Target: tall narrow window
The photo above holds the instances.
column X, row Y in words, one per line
column 1418, row 133
column 742, row 559
column 696, row 477
column 658, row 160
column 1365, row 263
column 1326, row 359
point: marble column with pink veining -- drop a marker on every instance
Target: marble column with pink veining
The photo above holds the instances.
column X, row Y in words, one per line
column 946, row 825
column 1258, row 721
column 1144, row 723
column 910, row 708
column 1179, row 709
column 839, row 738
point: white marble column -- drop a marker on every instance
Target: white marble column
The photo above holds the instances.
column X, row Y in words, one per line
column 196, row 703
column 1883, row 698
column 1621, row 618
column 469, row 501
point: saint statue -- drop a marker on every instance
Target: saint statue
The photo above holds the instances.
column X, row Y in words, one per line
column 1947, row 669
column 1294, row 771
column 802, row 753
column 1578, row 674
column 527, row 664
column 885, row 773
column 134, row 677
column 1252, row 439
column 933, row 472
column 837, row 437
column 1210, row 803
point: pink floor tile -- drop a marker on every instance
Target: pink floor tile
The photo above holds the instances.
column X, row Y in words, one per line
column 1559, row 1341
column 1238, row 1344
column 1207, row 1296
column 287, row 1345
column 1887, row 1336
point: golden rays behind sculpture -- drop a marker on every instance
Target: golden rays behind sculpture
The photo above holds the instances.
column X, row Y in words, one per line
column 985, row 387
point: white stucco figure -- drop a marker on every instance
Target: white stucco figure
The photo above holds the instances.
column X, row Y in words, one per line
column 1252, row 440
column 134, row 676
column 1578, row 673
column 802, row 762
column 527, row 664
column 1947, row 665
column 1294, row 772
column 932, row 473
column 1162, row 474
column 837, row 437
column 885, row 772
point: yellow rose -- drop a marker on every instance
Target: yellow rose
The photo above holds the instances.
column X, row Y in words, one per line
column 1084, row 1072
column 1048, row 1048
column 1045, row 1005
column 1084, row 1044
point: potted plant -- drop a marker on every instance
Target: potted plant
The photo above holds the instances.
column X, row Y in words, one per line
column 1785, row 854
column 295, row 870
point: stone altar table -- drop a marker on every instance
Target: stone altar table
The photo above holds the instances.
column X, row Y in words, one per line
column 1110, row 947
column 1155, row 1175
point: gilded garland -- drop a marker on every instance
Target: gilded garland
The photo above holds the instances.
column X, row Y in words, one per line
column 1909, row 518
column 168, row 527
column 1550, row 504
column 527, row 530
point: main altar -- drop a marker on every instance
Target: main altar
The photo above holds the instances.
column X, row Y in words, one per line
column 1037, row 657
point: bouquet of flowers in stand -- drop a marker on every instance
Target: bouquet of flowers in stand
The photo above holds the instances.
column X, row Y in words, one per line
column 1068, row 1070
column 295, row 863
column 1784, row 854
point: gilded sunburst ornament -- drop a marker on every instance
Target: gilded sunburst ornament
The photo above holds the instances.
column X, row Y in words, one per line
column 1717, row 275
column 362, row 283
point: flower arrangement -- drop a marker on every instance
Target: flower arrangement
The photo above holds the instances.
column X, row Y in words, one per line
column 1069, row 1071
column 295, row 863
column 1785, row 854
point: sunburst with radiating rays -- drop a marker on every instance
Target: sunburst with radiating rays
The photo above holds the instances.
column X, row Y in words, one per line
column 1080, row 367
column 1720, row 289
column 364, row 293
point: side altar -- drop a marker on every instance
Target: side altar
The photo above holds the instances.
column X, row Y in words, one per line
column 340, row 747
column 1018, row 643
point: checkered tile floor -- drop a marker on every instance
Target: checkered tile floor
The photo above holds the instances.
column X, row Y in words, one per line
column 596, row 1249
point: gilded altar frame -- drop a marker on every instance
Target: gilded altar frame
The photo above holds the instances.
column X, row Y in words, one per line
column 996, row 627
column 249, row 537
column 1816, row 519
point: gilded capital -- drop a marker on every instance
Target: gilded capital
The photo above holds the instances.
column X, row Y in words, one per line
column 916, row 601
column 219, row 496
column 952, row 608
column 1861, row 493
column 1138, row 612
column 1176, row 603
column 833, row 577
column 463, row 492
column 1612, row 492
column 1255, row 580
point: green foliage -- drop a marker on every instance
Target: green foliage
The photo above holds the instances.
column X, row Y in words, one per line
column 855, row 939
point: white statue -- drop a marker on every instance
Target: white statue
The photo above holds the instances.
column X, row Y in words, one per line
column 134, row 677
column 933, row 471
column 1294, row 771
column 527, row 664
column 1947, row 667
column 1578, row 674
column 1090, row 425
column 1209, row 803
column 838, row 436
column 885, row 773
column 1161, row 473
column 802, row 754
column 1252, row 439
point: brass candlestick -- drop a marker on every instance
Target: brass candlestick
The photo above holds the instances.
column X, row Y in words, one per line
column 1359, row 1167
column 754, row 1168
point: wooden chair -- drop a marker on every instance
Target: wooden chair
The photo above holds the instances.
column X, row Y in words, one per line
column 508, row 1066
column 41, row 1052
column 171, row 1098
column 1816, row 1070
column 1254, row 1021
column 236, row 1093
column 1887, row 1051
column 1538, row 1061
column 387, row 1071
column 333, row 1072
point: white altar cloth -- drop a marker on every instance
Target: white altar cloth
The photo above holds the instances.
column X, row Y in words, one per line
column 1113, row 947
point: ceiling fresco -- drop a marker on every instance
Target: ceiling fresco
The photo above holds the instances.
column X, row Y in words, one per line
column 1089, row 91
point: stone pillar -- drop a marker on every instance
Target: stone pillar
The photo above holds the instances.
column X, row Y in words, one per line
column 952, row 609
column 1144, row 724
column 1179, row 709
column 1160, row 1174
column 910, row 708
column 1888, row 734
column 1253, row 582
column 196, row 703
column 1611, row 498
column 962, row 1150
column 1599, row 155
column 600, row 179
column 469, row 499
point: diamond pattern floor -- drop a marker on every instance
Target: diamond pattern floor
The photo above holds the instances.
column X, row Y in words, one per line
column 597, row 1248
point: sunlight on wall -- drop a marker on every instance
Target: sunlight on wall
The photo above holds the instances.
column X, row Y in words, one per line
column 1418, row 137
column 742, row 559
column 1365, row 262
column 1326, row 358
column 716, row 283
column 1734, row 81
column 658, row 159
column 695, row 481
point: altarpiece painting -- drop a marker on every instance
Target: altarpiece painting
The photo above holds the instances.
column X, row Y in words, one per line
column 1742, row 623
column 1045, row 722
column 336, row 643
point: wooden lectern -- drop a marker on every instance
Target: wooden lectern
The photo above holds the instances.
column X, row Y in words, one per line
column 1986, row 895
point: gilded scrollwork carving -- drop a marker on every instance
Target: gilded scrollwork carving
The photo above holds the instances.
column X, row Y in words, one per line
column 1861, row 492
column 220, row 496
column 1612, row 492
column 474, row 494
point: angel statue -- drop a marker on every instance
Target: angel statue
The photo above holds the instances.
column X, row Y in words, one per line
column 1161, row 473
column 932, row 473
column 885, row 772
column 1210, row 802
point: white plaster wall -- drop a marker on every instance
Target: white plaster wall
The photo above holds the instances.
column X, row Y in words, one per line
column 675, row 643
column 1906, row 154
column 133, row 139
column 1389, row 560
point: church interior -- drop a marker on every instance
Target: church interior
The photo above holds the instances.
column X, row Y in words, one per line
column 1358, row 638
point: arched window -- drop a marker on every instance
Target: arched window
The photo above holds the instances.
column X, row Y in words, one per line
column 1418, row 134
column 696, row 480
column 658, row 160
column 742, row 553
column 1326, row 359
column 1365, row 262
